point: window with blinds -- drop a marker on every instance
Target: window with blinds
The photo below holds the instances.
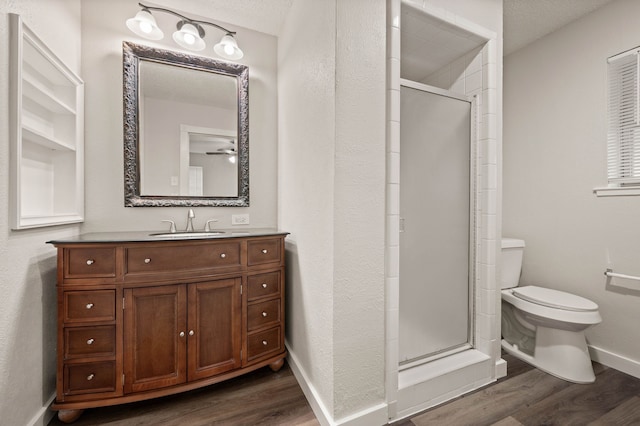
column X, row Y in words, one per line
column 623, row 134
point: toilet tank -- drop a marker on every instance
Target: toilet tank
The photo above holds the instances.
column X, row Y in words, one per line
column 512, row 251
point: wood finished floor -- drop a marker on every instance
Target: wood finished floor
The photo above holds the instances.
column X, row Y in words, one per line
column 525, row 397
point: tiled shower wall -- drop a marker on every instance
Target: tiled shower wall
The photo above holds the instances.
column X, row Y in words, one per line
column 474, row 74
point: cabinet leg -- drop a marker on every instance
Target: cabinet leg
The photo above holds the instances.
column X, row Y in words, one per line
column 69, row 416
column 277, row 365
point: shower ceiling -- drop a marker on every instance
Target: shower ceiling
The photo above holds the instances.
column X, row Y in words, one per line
column 429, row 44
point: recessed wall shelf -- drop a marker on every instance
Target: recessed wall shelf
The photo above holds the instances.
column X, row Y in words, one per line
column 46, row 133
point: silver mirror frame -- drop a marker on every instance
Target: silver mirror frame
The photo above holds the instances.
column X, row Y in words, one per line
column 132, row 54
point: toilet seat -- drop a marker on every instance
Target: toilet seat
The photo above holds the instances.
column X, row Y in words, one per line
column 543, row 311
column 554, row 299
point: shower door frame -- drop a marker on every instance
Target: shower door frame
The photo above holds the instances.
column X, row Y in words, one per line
column 473, row 221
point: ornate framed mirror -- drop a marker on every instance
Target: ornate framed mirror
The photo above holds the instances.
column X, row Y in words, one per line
column 186, row 129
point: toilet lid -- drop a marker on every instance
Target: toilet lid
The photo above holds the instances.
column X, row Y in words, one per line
column 554, row 298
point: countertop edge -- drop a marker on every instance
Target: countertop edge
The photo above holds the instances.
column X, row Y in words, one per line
column 145, row 236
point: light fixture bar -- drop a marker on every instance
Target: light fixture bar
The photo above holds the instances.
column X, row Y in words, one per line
column 160, row 9
column 189, row 34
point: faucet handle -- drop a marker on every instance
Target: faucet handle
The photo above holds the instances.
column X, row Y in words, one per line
column 172, row 229
column 207, row 228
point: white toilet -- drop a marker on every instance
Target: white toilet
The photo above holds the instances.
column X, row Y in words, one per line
column 545, row 327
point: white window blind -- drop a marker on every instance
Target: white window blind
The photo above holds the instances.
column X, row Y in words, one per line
column 623, row 135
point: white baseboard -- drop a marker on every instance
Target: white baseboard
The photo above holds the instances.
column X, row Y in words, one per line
column 501, row 368
column 44, row 414
column 372, row 416
column 619, row 362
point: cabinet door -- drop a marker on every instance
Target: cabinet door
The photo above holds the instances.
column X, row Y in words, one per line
column 214, row 327
column 154, row 337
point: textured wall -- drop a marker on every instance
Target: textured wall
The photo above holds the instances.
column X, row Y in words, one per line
column 27, row 264
column 331, row 183
column 554, row 155
column 359, row 215
column 306, row 170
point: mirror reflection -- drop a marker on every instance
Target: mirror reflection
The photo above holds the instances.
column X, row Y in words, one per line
column 187, row 146
column 186, row 129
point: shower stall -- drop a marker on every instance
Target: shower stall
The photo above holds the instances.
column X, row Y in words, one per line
column 442, row 208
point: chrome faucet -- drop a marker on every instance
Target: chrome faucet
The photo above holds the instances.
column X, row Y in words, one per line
column 190, row 218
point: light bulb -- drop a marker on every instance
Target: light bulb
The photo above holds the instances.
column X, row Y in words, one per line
column 144, row 24
column 189, row 36
column 189, row 39
column 228, row 48
column 146, row 27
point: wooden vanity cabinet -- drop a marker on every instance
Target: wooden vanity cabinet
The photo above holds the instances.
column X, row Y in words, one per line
column 139, row 320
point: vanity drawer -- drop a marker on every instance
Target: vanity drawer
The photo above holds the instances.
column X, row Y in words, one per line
column 81, row 306
column 89, row 341
column 263, row 285
column 263, row 314
column 264, row 342
column 182, row 258
column 90, row 262
column 89, row 377
column 263, row 251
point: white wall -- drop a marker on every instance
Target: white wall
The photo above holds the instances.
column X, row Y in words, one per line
column 554, row 155
column 306, row 152
column 104, row 31
column 27, row 264
column 331, row 61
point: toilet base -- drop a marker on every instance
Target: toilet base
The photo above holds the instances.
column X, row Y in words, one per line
column 561, row 353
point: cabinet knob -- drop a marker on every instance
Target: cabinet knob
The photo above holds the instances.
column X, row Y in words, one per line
column 91, row 376
column 265, row 251
column 182, row 334
column 90, row 261
column 264, row 285
column 223, row 255
column 89, row 305
column 90, row 341
column 264, row 314
column 264, row 342
column 147, row 260
column 191, row 333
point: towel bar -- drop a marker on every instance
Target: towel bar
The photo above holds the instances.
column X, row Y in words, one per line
column 610, row 273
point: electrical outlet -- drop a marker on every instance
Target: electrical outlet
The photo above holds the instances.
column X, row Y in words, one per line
column 240, row 219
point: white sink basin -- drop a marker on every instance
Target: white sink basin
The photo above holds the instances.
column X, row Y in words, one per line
column 201, row 234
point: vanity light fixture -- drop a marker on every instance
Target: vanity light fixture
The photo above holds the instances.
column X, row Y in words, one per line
column 189, row 34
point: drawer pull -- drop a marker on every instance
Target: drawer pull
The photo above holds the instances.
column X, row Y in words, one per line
column 89, row 305
column 90, row 261
column 191, row 333
column 90, row 341
column 264, row 342
column 265, row 251
column 264, row 314
column 147, row 260
column 182, row 334
column 91, row 376
column 264, row 285
column 223, row 255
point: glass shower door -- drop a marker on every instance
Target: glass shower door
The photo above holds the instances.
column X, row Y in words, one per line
column 435, row 211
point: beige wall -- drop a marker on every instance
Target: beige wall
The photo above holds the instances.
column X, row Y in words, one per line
column 554, row 155
column 104, row 31
column 27, row 264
